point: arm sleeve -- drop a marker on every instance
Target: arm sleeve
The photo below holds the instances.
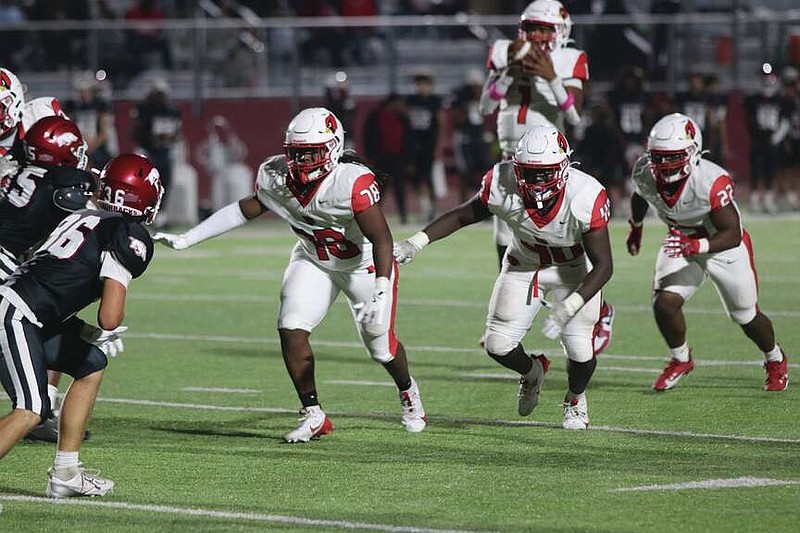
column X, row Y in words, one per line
column 112, row 269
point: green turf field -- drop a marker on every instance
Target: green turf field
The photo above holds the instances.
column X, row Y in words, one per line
column 191, row 417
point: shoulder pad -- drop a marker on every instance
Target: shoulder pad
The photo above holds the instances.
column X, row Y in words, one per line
column 132, row 246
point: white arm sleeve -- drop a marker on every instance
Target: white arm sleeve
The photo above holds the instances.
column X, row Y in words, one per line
column 228, row 218
column 112, row 269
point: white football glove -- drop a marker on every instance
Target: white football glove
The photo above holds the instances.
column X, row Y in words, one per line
column 8, row 166
column 174, row 241
column 109, row 342
column 406, row 250
column 372, row 313
column 560, row 314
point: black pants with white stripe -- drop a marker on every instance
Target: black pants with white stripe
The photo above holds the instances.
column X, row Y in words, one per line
column 8, row 263
column 27, row 352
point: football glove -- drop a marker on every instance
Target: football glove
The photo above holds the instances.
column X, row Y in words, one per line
column 560, row 314
column 372, row 313
column 109, row 342
column 634, row 240
column 8, row 166
column 174, row 241
column 406, row 250
column 679, row 245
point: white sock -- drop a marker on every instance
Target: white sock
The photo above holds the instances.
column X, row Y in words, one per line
column 52, row 393
column 774, row 355
column 681, row 353
column 571, row 396
column 66, row 465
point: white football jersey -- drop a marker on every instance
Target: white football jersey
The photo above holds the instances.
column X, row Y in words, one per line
column 32, row 111
column 323, row 217
column 557, row 237
column 707, row 189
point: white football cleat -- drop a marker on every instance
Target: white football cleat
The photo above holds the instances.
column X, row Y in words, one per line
column 576, row 414
column 414, row 418
column 529, row 388
column 82, row 484
column 313, row 424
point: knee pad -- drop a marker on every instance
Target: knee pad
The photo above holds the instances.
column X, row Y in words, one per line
column 578, row 348
column 498, row 345
column 293, row 321
column 382, row 357
column 743, row 316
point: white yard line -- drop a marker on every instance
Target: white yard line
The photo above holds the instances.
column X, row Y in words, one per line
column 739, row 482
column 225, row 515
column 221, row 390
column 457, row 420
column 361, row 383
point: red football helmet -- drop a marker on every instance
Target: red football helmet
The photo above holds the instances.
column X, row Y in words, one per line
column 130, row 184
column 55, row 141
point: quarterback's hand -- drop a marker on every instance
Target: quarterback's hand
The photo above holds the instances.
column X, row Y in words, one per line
column 109, row 342
column 406, row 250
column 679, row 245
column 560, row 314
column 634, row 240
column 174, row 241
column 372, row 313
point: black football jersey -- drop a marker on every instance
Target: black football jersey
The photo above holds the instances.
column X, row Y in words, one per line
column 423, row 116
column 63, row 276
column 28, row 213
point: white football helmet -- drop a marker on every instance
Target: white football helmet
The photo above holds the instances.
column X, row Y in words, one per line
column 12, row 100
column 540, row 164
column 674, row 148
column 313, row 145
column 549, row 13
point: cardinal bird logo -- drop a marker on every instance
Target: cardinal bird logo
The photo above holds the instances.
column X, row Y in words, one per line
column 5, row 81
column 562, row 142
column 690, row 131
column 330, row 124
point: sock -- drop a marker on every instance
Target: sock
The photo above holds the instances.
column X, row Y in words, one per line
column 774, row 355
column 308, row 399
column 579, row 374
column 402, row 387
column 571, row 396
column 516, row 360
column 681, row 353
column 66, row 465
column 52, row 393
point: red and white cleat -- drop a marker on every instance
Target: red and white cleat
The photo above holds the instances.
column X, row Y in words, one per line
column 674, row 371
column 777, row 375
column 313, row 425
column 601, row 337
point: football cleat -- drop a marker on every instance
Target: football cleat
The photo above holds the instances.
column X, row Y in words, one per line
column 414, row 419
column 528, row 395
column 777, row 375
column 674, row 371
column 313, row 424
column 82, row 484
column 601, row 337
column 576, row 414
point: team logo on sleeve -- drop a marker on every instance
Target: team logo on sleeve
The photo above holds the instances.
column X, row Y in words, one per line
column 138, row 248
column 330, row 124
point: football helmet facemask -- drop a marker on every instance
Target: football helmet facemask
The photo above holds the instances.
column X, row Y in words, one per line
column 12, row 101
column 540, row 164
column 55, row 141
column 542, row 14
column 313, row 145
column 130, row 184
column 674, row 148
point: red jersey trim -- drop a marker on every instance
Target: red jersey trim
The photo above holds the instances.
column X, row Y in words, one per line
column 721, row 193
column 673, row 199
column 363, row 195
column 486, row 186
column 601, row 212
column 489, row 64
column 581, row 68
column 303, row 197
column 542, row 220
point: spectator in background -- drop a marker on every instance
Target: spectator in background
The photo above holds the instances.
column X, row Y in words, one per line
column 147, row 43
column 357, row 39
column 602, row 156
column 789, row 146
column 425, row 114
column 320, row 39
column 768, row 126
column 694, row 101
column 387, row 139
column 339, row 100
column 472, row 152
column 156, row 128
column 94, row 117
column 60, row 48
column 632, row 109
column 11, row 13
column 716, row 134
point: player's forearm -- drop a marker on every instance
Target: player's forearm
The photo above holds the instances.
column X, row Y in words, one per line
column 639, row 207
column 566, row 101
column 494, row 90
column 455, row 219
column 382, row 258
column 724, row 240
column 595, row 280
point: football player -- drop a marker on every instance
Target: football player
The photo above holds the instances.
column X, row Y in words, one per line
column 331, row 201
column 694, row 197
column 51, row 184
column 92, row 254
column 559, row 253
column 537, row 79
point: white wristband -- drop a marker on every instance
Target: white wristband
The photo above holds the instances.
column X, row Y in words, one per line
column 381, row 284
column 226, row 219
column 419, row 240
column 703, row 246
column 573, row 303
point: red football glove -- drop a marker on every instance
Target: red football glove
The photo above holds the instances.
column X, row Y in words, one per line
column 634, row 240
column 679, row 245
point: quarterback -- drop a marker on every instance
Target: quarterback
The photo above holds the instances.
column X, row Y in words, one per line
column 330, row 201
column 694, row 197
column 559, row 257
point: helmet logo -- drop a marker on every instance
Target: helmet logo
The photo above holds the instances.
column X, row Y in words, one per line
column 65, row 139
column 330, row 124
column 690, row 131
column 153, row 177
column 562, row 142
column 5, row 81
column 563, row 13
